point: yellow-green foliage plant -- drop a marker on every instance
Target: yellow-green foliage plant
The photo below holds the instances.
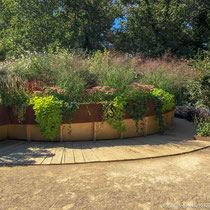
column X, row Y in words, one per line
column 166, row 98
column 164, row 102
column 48, row 115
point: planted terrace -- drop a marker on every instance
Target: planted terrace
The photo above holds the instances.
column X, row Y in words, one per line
column 63, row 98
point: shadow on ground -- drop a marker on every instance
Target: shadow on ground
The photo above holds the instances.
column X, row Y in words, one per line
column 23, row 152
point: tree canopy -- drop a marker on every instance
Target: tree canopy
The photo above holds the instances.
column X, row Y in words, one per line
column 150, row 27
column 52, row 24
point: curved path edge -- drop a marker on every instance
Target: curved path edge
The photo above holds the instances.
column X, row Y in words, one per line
column 176, row 141
column 27, row 154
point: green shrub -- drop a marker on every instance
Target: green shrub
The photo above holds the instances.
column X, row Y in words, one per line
column 134, row 102
column 136, row 105
column 48, row 115
column 202, row 122
column 203, row 129
column 199, row 89
column 163, row 102
column 18, row 100
column 166, row 98
column 114, row 112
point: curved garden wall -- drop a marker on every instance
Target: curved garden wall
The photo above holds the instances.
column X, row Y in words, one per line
column 4, row 121
column 86, row 113
column 86, row 125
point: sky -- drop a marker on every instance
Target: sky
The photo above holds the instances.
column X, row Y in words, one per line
column 116, row 23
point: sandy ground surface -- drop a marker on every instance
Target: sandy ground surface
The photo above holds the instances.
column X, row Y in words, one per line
column 159, row 183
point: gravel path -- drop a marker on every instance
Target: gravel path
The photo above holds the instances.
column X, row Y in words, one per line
column 144, row 184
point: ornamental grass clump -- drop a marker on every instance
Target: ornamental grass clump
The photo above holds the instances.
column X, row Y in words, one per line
column 112, row 70
column 12, row 91
column 167, row 73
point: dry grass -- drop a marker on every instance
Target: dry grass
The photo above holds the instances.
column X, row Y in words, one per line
column 168, row 65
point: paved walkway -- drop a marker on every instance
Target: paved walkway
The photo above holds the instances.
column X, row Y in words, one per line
column 177, row 140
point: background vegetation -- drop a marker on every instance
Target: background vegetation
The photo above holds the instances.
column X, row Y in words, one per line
column 149, row 27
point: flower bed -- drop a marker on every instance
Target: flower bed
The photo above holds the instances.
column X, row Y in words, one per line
column 100, row 97
column 47, row 117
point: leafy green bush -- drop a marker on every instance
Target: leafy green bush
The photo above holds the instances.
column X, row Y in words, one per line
column 114, row 112
column 136, row 105
column 199, row 89
column 48, row 115
column 202, row 122
column 166, row 98
column 203, row 129
column 163, row 102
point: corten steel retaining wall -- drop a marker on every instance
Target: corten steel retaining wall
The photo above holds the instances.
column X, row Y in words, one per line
column 86, row 113
column 4, row 121
column 86, row 125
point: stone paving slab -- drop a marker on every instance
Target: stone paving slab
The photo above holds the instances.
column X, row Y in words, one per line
column 177, row 140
